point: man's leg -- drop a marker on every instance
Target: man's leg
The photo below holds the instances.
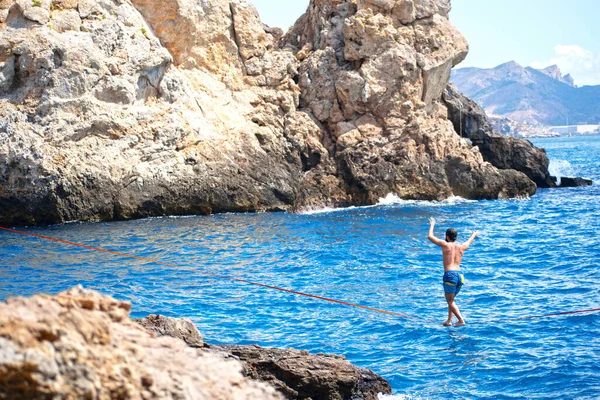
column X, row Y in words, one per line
column 449, row 300
column 453, row 309
column 449, row 320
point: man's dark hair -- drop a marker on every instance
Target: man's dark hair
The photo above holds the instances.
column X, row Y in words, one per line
column 451, row 235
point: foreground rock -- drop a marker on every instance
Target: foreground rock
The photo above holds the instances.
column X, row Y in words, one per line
column 504, row 152
column 125, row 109
column 82, row 345
column 295, row 374
column 303, row 376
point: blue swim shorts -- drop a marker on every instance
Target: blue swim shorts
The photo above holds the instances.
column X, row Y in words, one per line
column 453, row 281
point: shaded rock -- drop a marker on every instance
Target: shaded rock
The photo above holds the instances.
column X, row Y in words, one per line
column 504, row 152
column 180, row 328
column 575, row 182
column 303, row 376
column 82, row 345
column 466, row 116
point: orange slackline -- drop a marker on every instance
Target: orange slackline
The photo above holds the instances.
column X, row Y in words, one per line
column 312, row 296
column 125, row 255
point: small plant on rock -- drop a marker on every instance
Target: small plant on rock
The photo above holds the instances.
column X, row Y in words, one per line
column 37, row 3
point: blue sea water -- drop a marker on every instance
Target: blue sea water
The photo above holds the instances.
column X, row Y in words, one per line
column 535, row 257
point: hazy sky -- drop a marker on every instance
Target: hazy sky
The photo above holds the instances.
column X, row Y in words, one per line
column 534, row 33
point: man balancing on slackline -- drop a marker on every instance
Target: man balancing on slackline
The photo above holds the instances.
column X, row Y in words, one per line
column 452, row 253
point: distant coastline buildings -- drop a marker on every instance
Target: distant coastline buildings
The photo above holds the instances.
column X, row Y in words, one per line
column 510, row 127
column 575, row 129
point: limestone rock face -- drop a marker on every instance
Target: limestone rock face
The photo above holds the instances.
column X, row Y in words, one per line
column 116, row 109
column 107, row 112
column 82, row 345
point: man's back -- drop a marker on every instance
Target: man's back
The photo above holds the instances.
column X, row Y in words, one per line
column 451, row 250
column 452, row 255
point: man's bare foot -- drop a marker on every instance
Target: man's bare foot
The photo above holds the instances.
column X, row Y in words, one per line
column 447, row 323
column 459, row 323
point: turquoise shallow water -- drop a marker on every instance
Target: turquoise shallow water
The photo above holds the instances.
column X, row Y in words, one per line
column 535, row 257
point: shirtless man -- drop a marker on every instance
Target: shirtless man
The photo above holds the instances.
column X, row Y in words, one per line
column 453, row 279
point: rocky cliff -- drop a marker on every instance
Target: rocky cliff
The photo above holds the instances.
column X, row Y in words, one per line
column 116, row 109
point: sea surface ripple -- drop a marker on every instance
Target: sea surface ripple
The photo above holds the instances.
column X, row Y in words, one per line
column 534, row 257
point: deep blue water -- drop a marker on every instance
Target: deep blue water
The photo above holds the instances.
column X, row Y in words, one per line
column 535, row 257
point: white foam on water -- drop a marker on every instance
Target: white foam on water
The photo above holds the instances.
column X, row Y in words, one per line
column 394, row 397
column 392, row 200
column 560, row 168
column 75, row 221
column 519, row 198
column 325, row 210
column 179, row 216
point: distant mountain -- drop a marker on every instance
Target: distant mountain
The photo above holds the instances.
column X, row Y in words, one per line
column 554, row 72
column 530, row 95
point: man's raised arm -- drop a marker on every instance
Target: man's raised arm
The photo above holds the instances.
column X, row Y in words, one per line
column 431, row 236
column 468, row 243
